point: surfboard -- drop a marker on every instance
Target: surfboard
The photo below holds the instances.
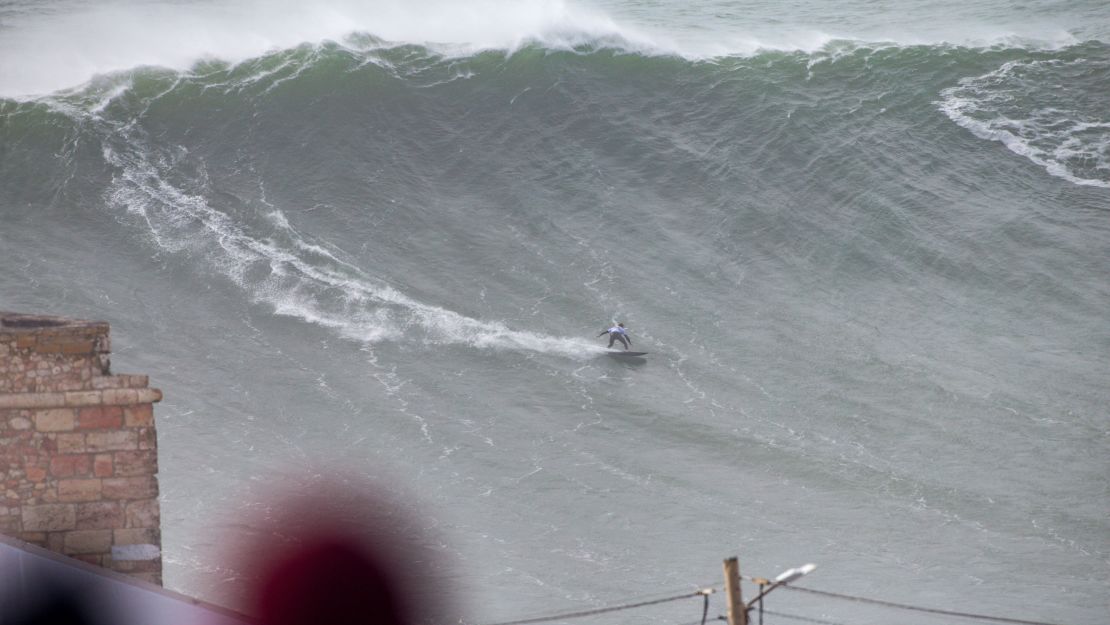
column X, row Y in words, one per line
column 624, row 353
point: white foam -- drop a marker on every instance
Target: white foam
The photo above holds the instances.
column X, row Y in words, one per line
column 43, row 52
column 998, row 106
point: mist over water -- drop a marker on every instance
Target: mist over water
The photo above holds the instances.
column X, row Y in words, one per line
column 865, row 249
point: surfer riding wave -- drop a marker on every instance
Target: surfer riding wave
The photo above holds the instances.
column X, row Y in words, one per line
column 618, row 333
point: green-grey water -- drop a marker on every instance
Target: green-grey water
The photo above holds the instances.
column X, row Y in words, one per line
column 866, row 247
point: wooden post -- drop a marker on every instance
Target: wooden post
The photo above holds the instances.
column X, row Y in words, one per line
column 737, row 614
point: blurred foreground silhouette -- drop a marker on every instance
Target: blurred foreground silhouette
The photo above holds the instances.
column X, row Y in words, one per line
column 336, row 551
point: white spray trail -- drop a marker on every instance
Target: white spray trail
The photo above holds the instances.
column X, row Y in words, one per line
column 295, row 277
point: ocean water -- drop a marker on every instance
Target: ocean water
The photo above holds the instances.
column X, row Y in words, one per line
column 866, row 245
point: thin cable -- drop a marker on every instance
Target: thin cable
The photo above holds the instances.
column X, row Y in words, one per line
column 705, row 608
column 615, row 608
column 715, row 618
column 915, row 608
column 807, row 619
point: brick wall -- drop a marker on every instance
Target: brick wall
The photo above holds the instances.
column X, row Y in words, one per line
column 78, row 448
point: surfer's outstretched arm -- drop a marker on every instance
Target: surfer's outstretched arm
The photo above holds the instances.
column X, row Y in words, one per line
column 603, row 333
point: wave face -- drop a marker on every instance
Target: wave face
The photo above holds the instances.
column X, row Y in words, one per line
column 870, row 274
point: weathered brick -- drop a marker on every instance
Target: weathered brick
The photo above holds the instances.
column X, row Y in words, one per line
column 77, row 347
column 130, row 487
column 55, row 420
column 71, row 443
column 112, row 440
column 143, row 513
column 99, row 515
column 69, row 465
column 137, row 536
column 35, row 538
column 19, row 423
column 35, row 473
column 99, row 417
column 102, row 465
column 148, row 438
column 138, row 415
column 138, row 568
column 9, row 524
column 83, row 398
column 107, row 381
column 88, row 541
column 120, row 396
column 132, row 463
column 55, row 541
column 152, row 577
column 78, row 489
column 49, row 517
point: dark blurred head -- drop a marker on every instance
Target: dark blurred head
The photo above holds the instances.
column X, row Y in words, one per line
column 347, row 553
column 334, row 579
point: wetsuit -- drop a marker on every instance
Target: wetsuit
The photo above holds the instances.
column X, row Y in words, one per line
column 618, row 333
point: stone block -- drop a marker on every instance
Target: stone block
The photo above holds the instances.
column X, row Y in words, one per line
column 137, row 568
column 83, row 398
column 10, row 524
column 19, row 423
column 99, row 515
column 102, row 465
column 35, row 473
column 133, row 463
column 71, row 443
column 88, row 542
column 138, row 415
column 143, row 513
column 143, row 487
column 55, row 541
column 69, row 465
column 111, row 440
column 138, row 536
column 77, row 347
column 78, row 489
column 49, row 517
column 119, row 396
column 99, row 417
column 148, row 438
column 55, row 420
column 107, row 381
column 35, row 538
column 151, row 577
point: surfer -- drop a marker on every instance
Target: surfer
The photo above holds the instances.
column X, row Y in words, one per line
column 618, row 333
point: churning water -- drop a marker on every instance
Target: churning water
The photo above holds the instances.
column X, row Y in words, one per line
column 866, row 247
